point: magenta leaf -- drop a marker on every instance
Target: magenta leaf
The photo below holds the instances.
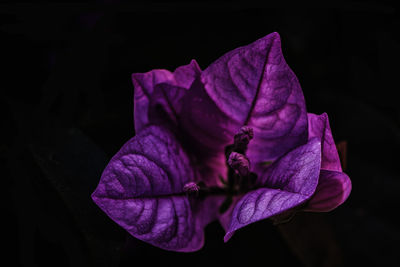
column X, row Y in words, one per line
column 141, row 189
column 318, row 125
column 332, row 190
column 253, row 85
column 288, row 183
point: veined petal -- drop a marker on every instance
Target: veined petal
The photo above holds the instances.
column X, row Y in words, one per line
column 333, row 189
column 253, row 85
column 289, row 182
column 171, row 87
column 141, row 189
column 318, row 126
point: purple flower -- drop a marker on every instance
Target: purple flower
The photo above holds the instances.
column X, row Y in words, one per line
column 233, row 142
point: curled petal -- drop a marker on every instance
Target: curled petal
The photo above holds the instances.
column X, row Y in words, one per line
column 318, row 126
column 161, row 89
column 288, row 183
column 142, row 190
column 333, row 189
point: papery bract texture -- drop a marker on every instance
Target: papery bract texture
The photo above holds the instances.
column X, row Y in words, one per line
column 186, row 123
column 287, row 183
column 141, row 189
column 253, row 85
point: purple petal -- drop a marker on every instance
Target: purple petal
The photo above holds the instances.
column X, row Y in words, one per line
column 318, row 125
column 172, row 87
column 253, row 85
column 289, row 182
column 225, row 218
column 333, row 189
column 207, row 131
column 141, row 189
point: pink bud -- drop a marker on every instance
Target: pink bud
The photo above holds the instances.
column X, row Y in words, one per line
column 191, row 187
column 243, row 137
column 240, row 163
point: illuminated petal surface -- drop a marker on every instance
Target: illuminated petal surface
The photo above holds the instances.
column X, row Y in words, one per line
column 250, row 85
column 253, row 85
column 332, row 190
column 289, row 182
column 141, row 190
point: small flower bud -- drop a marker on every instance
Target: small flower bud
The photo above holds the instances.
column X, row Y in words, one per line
column 191, row 188
column 242, row 138
column 239, row 163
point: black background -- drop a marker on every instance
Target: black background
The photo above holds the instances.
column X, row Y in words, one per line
column 67, row 104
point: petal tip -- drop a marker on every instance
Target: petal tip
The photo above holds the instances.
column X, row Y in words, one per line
column 275, row 35
column 94, row 196
column 98, row 196
column 228, row 236
column 196, row 65
column 135, row 76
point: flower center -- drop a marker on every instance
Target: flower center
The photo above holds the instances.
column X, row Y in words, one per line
column 240, row 179
column 242, row 139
